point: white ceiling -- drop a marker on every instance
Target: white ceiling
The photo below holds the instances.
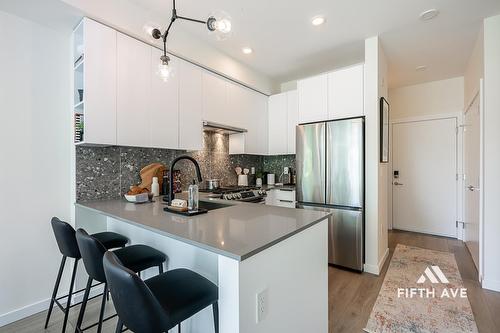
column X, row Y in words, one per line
column 286, row 46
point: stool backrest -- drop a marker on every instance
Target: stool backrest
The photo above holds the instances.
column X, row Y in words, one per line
column 136, row 306
column 65, row 238
column 92, row 251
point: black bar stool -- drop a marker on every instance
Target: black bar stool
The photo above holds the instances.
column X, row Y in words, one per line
column 66, row 241
column 161, row 302
column 136, row 257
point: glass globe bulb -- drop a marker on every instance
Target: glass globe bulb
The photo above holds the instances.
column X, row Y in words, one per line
column 165, row 70
column 219, row 24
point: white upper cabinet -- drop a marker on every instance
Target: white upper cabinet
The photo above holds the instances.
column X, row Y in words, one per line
column 214, row 98
column 278, row 124
column 345, row 92
column 256, row 139
column 99, row 82
column 239, row 100
column 190, row 106
column 313, row 98
column 164, row 105
column 283, row 120
column 133, row 92
column 292, row 119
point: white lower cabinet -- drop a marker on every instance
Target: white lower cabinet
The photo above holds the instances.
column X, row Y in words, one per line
column 281, row 197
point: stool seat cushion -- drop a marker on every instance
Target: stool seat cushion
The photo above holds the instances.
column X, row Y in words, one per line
column 111, row 240
column 182, row 293
column 140, row 257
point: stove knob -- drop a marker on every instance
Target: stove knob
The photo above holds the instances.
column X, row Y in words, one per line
column 238, row 196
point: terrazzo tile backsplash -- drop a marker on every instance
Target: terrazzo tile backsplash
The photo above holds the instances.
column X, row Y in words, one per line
column 108, row 172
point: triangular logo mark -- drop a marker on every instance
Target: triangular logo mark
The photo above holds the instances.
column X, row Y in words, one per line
column 435, row 275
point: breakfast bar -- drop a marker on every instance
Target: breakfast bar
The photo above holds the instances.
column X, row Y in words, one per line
column 257, row 255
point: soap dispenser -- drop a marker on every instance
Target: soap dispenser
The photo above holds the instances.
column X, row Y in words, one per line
column 193, row 196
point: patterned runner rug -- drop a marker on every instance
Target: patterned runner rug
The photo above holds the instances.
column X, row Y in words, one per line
column 422, row 292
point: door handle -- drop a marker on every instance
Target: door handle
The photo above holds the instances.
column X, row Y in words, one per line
column 472, row 188
column 398, row 184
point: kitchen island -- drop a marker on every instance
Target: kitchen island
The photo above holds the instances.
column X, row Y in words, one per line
column 270, row 263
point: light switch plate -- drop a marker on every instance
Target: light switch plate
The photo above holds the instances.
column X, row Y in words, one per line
column 285, row 170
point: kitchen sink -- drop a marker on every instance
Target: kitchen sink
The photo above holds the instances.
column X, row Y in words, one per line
column 209, row 205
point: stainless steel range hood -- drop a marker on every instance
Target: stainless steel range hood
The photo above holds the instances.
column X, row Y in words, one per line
column 209, row 126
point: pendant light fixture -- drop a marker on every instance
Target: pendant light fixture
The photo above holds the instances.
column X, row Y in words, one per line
column 218, row 23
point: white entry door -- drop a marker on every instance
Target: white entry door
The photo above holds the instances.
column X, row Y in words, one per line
column 424, row 190
column 472, row 159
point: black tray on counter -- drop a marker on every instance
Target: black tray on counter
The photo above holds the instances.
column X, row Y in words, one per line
column 188, row 212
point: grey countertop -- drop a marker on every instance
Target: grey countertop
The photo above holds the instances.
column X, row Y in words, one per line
column 238, row 231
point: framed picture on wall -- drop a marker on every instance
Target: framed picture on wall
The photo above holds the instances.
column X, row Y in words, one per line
column 384, row 130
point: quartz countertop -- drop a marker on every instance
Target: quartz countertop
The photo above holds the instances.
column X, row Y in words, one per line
column 238, row 231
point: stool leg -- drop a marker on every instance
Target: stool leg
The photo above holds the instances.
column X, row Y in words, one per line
column 56, row 288
column 179, row 328
column 68, row 302
column 160, row 268
column 215, row 308
column 83, row 306
column 103, row 306
column 119, row 326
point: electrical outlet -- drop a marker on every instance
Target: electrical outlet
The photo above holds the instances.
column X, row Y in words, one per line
column 261, row 306
column 285, row 171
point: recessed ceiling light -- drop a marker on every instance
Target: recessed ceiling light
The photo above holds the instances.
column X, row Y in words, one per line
column 429, row 14
column 247, row 50
column 420, row 68
column 318, row 20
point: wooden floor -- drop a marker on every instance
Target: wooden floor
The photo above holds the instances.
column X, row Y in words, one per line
column 351, row 295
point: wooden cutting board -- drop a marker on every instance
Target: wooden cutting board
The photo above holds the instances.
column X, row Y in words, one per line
column 148, row 172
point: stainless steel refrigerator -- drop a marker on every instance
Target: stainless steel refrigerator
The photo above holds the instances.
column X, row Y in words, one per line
column 330, row 177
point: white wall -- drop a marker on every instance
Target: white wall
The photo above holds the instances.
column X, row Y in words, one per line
column 383, row 188
column 474, row 70
column 34, row 160
column 491, row 190
column 428, row 99
column 375, row 173
column 129, row 18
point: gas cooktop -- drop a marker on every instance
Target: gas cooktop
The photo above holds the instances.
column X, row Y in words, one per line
column 240, row 193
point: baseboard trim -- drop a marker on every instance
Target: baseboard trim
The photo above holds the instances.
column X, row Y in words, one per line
column 26, row 311
column 32, row 309
column 376, row 269
column 383, row 259
column 491, row 284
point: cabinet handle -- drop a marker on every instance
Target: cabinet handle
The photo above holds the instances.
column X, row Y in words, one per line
column 286, row 189
column 289, row 201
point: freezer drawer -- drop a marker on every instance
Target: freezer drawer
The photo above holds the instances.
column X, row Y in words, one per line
column 345, row 237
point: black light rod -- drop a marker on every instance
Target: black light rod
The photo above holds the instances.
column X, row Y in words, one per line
column 192, row 20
